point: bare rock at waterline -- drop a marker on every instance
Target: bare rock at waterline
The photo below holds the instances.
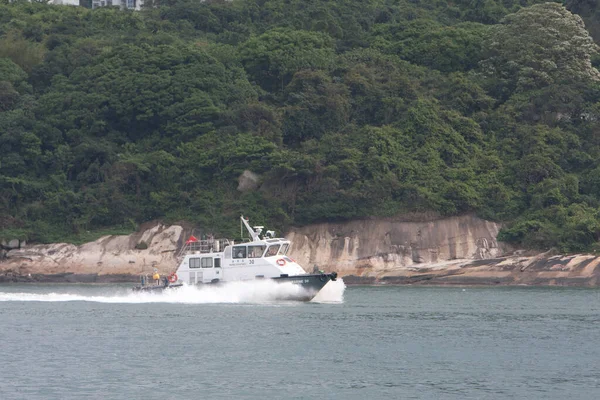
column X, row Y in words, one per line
column 415, row 249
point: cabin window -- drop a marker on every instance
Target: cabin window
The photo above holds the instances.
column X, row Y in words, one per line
column 207, row 262
column 194, row 262
column 256, row 251
column 217, row 263
column 284, row 248
column 272, row 250
column 239, row 251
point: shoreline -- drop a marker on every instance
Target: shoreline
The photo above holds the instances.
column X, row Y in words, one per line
column 349, row 280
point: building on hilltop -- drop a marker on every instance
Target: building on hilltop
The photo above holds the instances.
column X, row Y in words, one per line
column 129, row 4
column 76, row 3
column 65, row 2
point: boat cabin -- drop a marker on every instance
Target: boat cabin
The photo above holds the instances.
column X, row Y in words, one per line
column 210, row 260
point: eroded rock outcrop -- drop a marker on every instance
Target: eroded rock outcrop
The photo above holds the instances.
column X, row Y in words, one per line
column 412, row 250
column 458, row 250
column 102, row 260
column 541, row 269
column 386, row 245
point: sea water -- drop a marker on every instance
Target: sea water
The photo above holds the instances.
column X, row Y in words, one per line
column 106, row 342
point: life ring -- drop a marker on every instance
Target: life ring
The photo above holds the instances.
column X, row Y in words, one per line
column 173, row 277
column 281, row 262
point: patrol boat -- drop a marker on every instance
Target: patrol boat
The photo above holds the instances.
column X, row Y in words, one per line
column 217, row 261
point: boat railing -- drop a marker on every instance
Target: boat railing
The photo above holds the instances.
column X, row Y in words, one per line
column 203, row 246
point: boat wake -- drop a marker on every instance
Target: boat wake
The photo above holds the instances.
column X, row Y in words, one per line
column 235, row 292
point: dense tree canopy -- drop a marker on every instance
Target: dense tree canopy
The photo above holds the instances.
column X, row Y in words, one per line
column 345, row 109
column 537, row 47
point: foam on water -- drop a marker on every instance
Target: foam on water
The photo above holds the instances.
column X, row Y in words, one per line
column 235, row 292
column 332, row 292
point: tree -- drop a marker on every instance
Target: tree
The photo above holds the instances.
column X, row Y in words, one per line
column 424, row 42
column 273, row 57
column 22, row 52
column 314, row 105
column 538, row 46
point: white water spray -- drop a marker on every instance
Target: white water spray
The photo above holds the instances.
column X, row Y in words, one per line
column 265, row 291
column 332, row 292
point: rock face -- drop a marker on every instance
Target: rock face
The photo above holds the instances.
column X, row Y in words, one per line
column 452, row 251
column 248, row 181
column 541, row 269
column 457, row 250
column 108, row 257
column 373, row 247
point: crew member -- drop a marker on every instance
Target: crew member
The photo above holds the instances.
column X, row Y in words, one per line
column 156, row 277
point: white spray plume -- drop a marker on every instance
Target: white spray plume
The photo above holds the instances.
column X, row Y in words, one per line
column 332, row 292
column 264, row 291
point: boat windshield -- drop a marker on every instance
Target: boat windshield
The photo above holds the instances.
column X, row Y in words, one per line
column 272, row 250
column 256, row 251
column 284, row 249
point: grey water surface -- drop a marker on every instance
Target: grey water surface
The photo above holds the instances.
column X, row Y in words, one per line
column 98, row 342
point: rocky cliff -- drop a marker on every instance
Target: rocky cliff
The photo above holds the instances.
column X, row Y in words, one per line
column 417, row 250
column 110, row 258
column 375, row 247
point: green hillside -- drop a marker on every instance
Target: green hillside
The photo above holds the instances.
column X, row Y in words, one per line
column 345, row 109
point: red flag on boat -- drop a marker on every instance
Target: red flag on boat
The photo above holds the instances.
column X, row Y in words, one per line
column 191, row 240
